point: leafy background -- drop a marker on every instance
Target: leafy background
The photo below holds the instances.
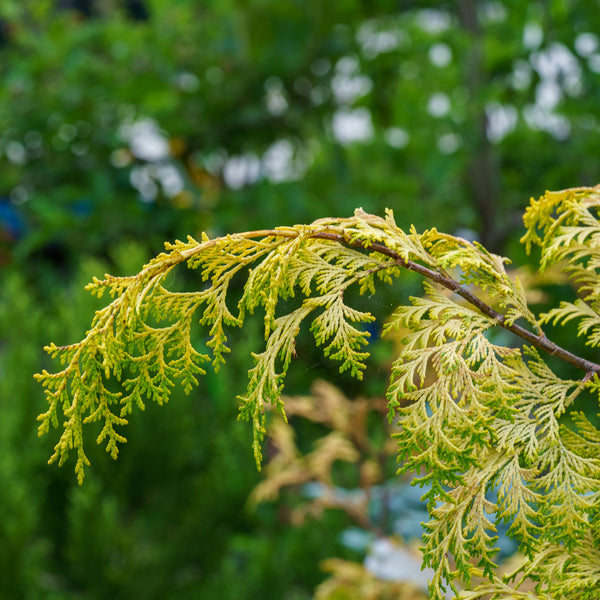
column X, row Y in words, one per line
column 124, row 124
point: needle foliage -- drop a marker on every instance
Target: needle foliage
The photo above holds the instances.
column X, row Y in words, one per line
column 474, row 417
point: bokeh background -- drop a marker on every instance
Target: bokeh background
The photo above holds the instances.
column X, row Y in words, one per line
column 125, row 123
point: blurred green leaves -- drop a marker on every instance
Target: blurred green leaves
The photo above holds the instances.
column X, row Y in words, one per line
column 226, row 115
column 452, row 110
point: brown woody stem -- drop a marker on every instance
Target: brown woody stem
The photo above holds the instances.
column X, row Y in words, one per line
column 540, row 342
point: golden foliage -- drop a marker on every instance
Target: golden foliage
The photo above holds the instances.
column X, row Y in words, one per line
column 348, row 441
column 489, row 417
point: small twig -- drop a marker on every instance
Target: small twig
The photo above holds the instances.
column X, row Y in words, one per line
column 539, row 341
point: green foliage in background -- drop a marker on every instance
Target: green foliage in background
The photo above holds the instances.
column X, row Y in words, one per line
column 155, row 525
column 454, row 109
column 480, row 416
column 147, row 120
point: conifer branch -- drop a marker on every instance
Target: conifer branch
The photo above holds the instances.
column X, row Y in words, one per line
column 474, row 417
column 539, row 341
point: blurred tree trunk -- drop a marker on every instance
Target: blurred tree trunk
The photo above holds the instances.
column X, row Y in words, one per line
column 482, row 171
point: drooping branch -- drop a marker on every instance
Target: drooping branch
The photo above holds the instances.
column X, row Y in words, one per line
column 488, row 420
column 153, row 272
column 539, row 341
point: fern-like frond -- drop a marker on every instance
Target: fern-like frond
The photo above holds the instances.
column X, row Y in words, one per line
column 266, row 383
column 474, row 417
column 517, row 501
column 565, row 226
column 143, row 338
column 589, row 319
column 562, row 573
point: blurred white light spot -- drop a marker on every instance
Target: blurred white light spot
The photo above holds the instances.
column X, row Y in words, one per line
column 352, row 125
column 356, row 539
column 275, row 97
column 558, row 70
column 374, row 43
column 347, row 89
column 320, row 67
column 586, row 44
column 438, row 105
column 19, row 194
column 142, row 181
column 449, row 143
column 170, row 179
column 145, row 140
column 548, row 94
column 554, row 61
column 501, row 120
column 241, row 170
column 492, row 12
column 390, row 562
column 533, row 36
column 348, row 65
column 280, row 164
column 396, row 137
column 520, row 78
column 594, row 63
column 433, row 21
column 215, row 161
column 440, row 55
column 188, row 82
column 542, row 119
column 15, row 152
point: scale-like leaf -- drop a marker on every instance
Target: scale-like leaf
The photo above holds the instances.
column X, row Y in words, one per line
column 474, row 416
